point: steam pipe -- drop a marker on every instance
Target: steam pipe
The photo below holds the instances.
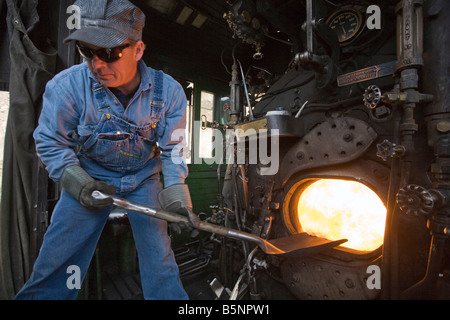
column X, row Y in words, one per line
column 409, row 59
column 234, row 92
column 309, row 27
column 219, row 186
column 389, row 275
column 246, row 93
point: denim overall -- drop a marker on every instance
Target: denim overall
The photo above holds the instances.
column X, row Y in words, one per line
column 119, row 145
column 121, row 148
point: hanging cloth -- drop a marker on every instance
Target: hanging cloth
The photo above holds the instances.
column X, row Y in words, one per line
column 30, row 70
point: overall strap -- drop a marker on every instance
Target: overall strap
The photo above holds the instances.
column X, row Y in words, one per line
column 158, row 90
column 100, row 99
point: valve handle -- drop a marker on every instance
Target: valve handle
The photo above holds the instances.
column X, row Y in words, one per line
column 415, row 200
column 372, row 97
column 387, row 149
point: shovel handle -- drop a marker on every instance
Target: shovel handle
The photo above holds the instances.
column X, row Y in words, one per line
column 175, row 217
column 159, row 213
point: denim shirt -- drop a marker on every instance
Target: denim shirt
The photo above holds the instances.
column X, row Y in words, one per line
column 83, row 123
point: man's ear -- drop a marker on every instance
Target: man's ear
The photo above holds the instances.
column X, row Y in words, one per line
column 140, row 47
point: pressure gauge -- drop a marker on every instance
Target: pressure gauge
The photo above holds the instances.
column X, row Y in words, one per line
column 346, row 22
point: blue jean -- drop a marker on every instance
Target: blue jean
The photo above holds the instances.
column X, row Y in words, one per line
column 72, row 237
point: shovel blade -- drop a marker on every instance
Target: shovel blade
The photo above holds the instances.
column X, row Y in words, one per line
column 302, row 245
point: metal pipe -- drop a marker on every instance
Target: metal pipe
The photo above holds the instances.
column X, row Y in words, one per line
column 246, row 93
column 309, row 27
column 389, row 276
column 409, row 34
column 234, row 92
column 219, row 186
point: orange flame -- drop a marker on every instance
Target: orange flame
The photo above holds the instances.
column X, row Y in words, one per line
column 341, row 209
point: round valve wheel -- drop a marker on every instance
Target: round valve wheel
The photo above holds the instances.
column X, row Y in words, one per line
column 415, row 200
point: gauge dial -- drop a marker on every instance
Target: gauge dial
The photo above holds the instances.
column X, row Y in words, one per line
column 346, row 22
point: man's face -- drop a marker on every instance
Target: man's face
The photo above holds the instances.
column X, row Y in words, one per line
column 120, row 73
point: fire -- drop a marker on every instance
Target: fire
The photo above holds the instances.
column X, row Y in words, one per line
column 341, row 209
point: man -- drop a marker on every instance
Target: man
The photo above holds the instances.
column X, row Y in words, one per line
column 106, row 125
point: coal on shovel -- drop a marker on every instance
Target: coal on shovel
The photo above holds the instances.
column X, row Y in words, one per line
column 300, row 244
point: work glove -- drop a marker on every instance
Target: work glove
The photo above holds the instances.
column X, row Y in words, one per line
column 80, row 185
column 177, row 198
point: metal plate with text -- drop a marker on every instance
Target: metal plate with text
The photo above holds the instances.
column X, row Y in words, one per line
column 369, row 73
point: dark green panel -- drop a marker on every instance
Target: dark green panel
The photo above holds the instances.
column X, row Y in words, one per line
column 203, row 185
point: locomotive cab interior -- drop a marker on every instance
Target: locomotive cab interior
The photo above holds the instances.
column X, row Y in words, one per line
column 328, row 117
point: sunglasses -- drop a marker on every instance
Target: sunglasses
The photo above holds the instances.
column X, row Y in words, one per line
column 107, row 55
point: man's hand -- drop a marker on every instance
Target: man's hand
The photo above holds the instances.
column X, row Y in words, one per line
column 80, row 185
column 177, row 198
column 89, row 202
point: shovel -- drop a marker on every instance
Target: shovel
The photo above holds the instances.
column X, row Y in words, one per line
column 298, row 245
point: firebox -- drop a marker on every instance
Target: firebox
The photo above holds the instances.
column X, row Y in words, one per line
column 338, row 209
column 345, row 201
